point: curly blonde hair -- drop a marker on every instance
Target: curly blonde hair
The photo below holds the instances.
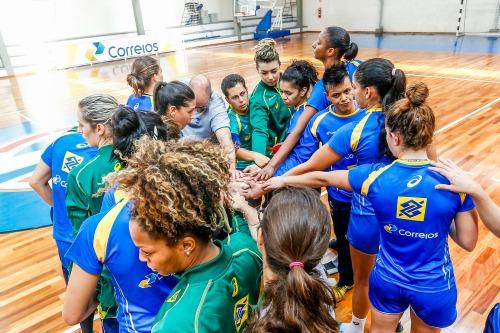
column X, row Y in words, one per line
column 265, row 51
column 176, row 187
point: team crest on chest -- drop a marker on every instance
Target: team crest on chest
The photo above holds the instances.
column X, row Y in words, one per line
column 241, row 312
column 70, row 161
column 411, row 208
column 173, row 298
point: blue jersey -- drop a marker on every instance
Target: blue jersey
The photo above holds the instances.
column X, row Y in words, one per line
column 295, row 117
column 317, row 99
column 104, row 240
column 65, row 153
column 140, row 103
column 414, row 221
column 362, row 140
column 111, row 198
column 318, row 132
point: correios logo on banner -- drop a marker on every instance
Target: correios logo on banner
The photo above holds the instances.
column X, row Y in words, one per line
column 118, row 51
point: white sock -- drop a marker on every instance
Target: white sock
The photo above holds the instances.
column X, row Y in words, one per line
column 356, row 325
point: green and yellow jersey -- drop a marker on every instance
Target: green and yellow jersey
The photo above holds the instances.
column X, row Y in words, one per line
column 269, row 118
column 216, row 296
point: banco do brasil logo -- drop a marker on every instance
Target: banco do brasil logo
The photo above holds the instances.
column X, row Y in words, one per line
column 120, row 51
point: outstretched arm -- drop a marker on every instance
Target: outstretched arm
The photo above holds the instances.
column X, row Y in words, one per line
column 314, row 179
column 287, row 145
column 462, row 182
column 320, row 160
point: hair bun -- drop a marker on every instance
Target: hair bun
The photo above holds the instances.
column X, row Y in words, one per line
column 265, row 43
column 417, row 93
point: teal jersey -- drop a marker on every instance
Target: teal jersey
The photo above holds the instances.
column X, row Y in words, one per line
column 241, row 133
column 414, row 221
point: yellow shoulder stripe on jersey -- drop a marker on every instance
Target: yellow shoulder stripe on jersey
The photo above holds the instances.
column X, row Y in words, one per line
column 314, row 128
column 356, row 133
column 238, row 120
column 462, row 197
column 371, row 178
column 119, row 195
column 356, row 63
column 101, row 235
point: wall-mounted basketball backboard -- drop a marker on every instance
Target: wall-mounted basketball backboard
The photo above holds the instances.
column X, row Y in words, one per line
column 243, row 8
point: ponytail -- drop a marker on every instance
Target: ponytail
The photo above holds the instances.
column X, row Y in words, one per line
column 129, row 125
column 388, row 81
column 173, row 93
column 296, row 229
column 339, row 39
column 141, row 74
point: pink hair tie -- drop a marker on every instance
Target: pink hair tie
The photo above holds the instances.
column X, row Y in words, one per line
column 296, row 264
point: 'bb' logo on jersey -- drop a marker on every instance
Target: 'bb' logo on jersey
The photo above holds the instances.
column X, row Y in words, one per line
column 70, row 161
column 411, row 208
column 241, row 312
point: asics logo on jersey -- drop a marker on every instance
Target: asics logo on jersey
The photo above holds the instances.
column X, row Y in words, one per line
column 392, row 229
column 241, row 312
column 414, row 181
column 411, row 208
column 70, row 161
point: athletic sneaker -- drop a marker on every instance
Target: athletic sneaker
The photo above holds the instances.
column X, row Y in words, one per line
column 330, row 263
column 340, row 291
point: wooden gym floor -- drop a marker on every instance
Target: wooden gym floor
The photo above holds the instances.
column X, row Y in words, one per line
column 464, row 94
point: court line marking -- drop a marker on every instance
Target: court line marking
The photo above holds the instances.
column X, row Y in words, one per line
column 461, row 119
column 452, row 78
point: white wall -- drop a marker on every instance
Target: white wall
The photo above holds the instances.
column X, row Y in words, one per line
column 26, row 21
column 400, row 15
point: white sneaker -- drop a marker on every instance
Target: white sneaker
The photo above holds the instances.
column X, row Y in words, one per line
column 330, row 262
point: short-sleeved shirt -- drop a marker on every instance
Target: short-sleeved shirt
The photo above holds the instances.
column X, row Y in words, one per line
column 206, row 123
column 362, row 140
column 104, row 240
column 215, row 296
column 269, row 118
column 296, row 113
column 84, row 181
column 65, row 153
column 317, row 99
column 318, row 132
column 140, row 102
column 414, row 220
column 241, row 133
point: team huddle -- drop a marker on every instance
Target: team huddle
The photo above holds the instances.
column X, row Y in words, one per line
column 173, row 213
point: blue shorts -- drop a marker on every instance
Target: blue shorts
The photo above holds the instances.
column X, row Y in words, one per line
column 435, row 309
column 363, row 233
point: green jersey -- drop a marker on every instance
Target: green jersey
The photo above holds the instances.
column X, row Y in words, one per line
column 269, row 118
column 216, row 296
column 84, row 181
column 241, row 133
